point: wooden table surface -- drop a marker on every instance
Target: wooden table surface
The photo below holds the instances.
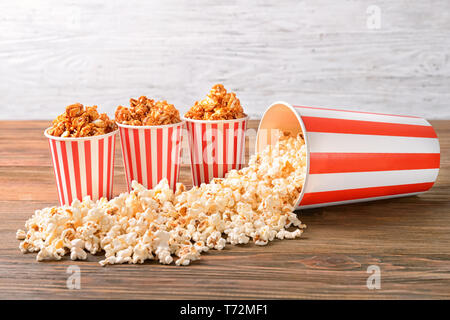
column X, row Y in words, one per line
column 407, row 238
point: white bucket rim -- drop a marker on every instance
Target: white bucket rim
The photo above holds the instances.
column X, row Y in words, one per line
column 127, row 126
column 305, row 137
column 90, row 138
column 215, row 121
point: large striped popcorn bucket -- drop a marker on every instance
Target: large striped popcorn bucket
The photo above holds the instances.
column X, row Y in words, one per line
column 356, row 156
column 83, row 166
column 151, row 153
column 216, row 147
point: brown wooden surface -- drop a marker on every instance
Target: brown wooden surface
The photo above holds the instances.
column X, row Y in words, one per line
column 408, row 238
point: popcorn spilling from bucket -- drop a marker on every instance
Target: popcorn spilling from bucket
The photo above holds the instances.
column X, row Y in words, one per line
column 255, row 204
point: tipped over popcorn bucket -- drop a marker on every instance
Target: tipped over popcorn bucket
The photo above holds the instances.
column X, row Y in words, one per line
column 83, row 166
column 151, row 153
column 216, row 147
column 356, row 156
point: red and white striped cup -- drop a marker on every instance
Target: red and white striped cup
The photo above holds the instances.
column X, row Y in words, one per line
column 216, row 147
column 151, row 153
column 83, row 166
column 357, row 156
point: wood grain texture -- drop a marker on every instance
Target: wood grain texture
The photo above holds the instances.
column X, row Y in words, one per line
column 317, row 52
column 408, row 238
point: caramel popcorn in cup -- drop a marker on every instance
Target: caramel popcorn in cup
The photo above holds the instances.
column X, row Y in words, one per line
column 218, row 105
column 147, row 112
column 78, row 121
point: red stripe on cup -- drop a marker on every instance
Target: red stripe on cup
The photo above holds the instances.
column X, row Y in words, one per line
column 362, row 193
column 235, row 141
column 100, row 167
column 174, row 156
column 159, row 145
column 113, row 152
column 124, row 155
column 316, row 124
column 178, row 155
column 198, row 160
column 322, row 162
column 226, row 128
column 148, row 156
column 66, row 172
column 215, row 155
column 76, row 168
column 170, row 165
column 56, row 170
column 138, row 154
column 129, row 157
column 192, row 152
column 243, row 148
column 88, row 166
column 108, row 183
column 204, row 154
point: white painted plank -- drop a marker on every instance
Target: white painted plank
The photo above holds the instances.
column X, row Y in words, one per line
column 316, row 53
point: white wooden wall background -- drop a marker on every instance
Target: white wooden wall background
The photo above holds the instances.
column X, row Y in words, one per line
column 318, row 53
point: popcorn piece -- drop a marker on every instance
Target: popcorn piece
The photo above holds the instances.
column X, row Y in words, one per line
column 76, row 250
column 124, row 255
column 141, row 253
column 200, row 246
column 77, row 243
column 164, row 256
column 218, row 105
column 161, row 245
column 187, row 254
column 20, row 234
column 77, row 254
column 109, row 260
column 251, row 204
column 50, row 253
column 147, row 112
column 216, row 241
column 78, row 121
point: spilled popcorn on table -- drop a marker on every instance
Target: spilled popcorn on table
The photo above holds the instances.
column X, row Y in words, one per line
column 255, row 204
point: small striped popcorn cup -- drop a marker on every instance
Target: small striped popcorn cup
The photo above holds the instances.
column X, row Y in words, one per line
column 151, row 153
column 216, row 147
column 83, row 166
column 356, row 156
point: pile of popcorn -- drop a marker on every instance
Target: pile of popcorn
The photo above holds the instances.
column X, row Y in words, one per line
column 218, row 105
column 255, row 204
column 78, row 121
column 147, row 112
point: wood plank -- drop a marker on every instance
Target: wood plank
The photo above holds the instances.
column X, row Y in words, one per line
column 408, row 238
